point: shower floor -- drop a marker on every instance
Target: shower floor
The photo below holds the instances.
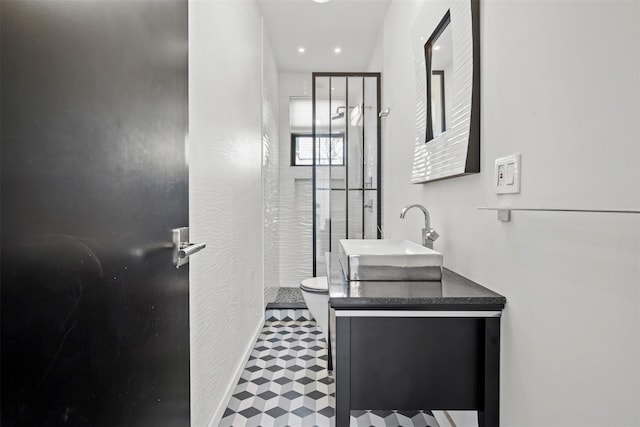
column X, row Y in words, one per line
column 287, row 298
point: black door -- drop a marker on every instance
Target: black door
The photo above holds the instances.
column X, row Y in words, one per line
column 95, row 325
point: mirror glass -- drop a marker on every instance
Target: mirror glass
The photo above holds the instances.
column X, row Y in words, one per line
column 439, row 64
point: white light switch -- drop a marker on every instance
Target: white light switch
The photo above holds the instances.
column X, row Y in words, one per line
column 510, row 173
column 507, row 174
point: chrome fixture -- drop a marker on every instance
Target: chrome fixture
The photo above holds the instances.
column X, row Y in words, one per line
column 369, row 205
column 182, row 249
column 339, row 113
column 429, row 235
column 356, row 113
column 384, row 113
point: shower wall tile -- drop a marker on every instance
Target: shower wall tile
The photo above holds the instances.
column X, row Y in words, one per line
column 270, row 166
column 370, row 124
column 295, row 197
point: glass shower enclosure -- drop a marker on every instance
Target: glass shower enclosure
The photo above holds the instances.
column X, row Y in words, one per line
column 346, row 173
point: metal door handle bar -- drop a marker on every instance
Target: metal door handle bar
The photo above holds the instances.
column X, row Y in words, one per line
column 182, row 249
column 624, row 211
column 504, row 214
column 190, row 249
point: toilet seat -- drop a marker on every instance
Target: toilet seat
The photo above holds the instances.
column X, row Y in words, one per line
column 318, row 285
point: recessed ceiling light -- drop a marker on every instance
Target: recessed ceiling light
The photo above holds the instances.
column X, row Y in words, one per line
column 301, row 49
column 321, row 1
column 337, row 50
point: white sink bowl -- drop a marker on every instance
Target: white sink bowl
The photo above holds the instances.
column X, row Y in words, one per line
column 388, row 260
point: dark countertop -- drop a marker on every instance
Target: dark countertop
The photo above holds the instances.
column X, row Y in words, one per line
column 454, row 292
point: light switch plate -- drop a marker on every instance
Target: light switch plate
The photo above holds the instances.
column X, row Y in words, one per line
column 506, row 177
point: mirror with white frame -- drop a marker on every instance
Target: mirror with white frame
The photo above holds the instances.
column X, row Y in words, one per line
column 445, row 39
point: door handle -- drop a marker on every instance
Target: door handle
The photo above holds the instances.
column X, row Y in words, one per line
column 182, row 249
column 188, row 249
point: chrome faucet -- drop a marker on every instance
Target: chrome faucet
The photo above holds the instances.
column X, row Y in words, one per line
column 429, row 235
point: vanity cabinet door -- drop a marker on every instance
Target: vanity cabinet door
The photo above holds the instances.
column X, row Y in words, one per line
column 415, row 363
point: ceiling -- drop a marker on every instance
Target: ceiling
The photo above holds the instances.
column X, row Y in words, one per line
column 352, row 25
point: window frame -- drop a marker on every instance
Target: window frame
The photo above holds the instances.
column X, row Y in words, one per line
column 296, row 135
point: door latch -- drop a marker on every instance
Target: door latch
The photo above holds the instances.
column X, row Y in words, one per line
column 182, row 248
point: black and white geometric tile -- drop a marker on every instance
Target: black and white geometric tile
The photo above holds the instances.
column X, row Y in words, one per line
column 286, row 382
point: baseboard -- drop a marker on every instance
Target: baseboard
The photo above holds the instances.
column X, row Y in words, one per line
column 217, row 416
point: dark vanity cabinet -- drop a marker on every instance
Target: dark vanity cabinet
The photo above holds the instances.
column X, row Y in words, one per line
column 416, row 345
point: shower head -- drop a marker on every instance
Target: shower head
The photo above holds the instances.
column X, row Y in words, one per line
column 339, row 113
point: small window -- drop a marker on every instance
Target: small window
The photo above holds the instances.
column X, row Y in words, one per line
column 330, row 149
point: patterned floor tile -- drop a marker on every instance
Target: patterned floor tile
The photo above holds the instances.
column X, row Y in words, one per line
column 287, row 315
column 286, row 382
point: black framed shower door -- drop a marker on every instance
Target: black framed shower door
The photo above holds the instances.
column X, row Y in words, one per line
column 346, row 196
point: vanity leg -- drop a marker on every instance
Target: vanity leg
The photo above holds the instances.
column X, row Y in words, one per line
column 342, row 371
column 489, row 415
column 328, row 337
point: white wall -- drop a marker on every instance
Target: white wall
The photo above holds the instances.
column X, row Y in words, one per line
column 296, row 225
column 270, row 170
column 560, row 84
column 225, row 198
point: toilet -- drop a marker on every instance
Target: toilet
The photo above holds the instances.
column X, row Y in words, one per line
column 315, row 291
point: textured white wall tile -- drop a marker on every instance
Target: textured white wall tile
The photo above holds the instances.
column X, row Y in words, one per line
column 270, row 166
column 571, row 329
column 225, row 196
column 295, row 213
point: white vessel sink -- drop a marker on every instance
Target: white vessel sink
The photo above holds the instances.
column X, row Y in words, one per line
column 388, row 260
